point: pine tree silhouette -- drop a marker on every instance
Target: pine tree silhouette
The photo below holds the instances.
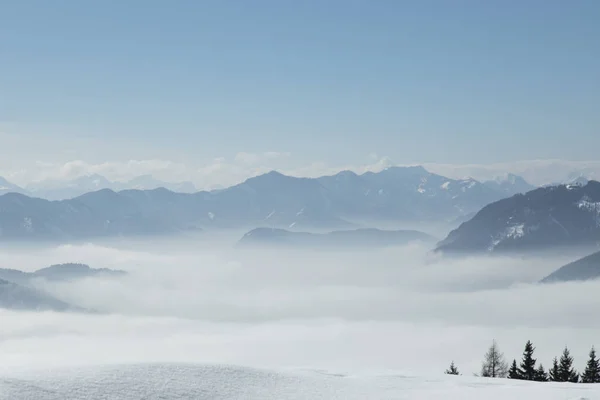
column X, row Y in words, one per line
column 554, row 374
column 540, row 374
column 513, row 372
column 592, row 369
column 452, row 370
column 527, row 368
column 566, row 373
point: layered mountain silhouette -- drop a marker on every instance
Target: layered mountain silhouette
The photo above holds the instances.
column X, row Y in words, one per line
column 18, row 291
column 58, row 272
column 7, row 187
column 584, row 269
column 358, row 238
column 59, row 190
column 19, row 297
column 274, row 200
column 565, row 215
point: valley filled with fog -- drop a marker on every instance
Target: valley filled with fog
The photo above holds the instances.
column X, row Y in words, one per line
column 397, row 308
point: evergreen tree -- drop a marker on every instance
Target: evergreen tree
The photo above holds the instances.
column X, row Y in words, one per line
column 494, row 365
column 592, row 370
column 566, row 373
column 527, row 368
column 540, row 374
column 554, row 374
column 513, row 372
column 452, row 370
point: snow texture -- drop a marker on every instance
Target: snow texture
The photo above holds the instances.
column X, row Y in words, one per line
column 185, row 381
column 511, row 232
column 27, row 224
column 591, row 206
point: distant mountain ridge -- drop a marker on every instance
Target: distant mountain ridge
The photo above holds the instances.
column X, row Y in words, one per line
column 509, row 184
column 64, row 190
column 58, row 272
column 272, row 199
column 565, row 215
column 406, row 193
column 357, row 238
column 7, row 187
column 58, row 190
column 586, row 268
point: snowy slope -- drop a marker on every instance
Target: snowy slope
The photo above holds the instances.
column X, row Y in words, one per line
column 182, row 381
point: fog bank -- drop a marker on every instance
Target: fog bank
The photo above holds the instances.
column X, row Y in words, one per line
column 402, row 309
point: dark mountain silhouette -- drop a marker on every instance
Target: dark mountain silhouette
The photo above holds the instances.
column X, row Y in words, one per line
column 357, row 238
column 63, row 272
column 584, row 269
column 58, row 272
column 565, row 215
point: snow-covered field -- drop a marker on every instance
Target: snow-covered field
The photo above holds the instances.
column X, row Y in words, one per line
column 185, row 381
column 191, row 323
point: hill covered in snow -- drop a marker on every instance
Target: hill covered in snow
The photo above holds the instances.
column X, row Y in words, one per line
column 188, row 381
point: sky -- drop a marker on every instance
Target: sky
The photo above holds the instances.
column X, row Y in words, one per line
column 319, row 82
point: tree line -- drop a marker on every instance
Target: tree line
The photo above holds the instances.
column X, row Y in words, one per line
column 494, row 365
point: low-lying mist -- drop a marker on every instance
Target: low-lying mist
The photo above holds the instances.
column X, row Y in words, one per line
column 396, row 308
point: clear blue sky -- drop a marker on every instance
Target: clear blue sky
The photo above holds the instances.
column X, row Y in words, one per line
column 420, row 81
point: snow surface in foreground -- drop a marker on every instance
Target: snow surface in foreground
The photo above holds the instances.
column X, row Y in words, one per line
column 185, row 381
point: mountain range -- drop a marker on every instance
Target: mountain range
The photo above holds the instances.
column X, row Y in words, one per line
column 508, row 184
column 275, row 200
column 564, row 215
column 357, row 238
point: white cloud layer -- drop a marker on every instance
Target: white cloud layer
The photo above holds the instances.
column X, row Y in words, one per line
column 220, row 172
column 400, row 309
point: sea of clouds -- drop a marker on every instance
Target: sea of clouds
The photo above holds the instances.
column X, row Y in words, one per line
column 401, row 309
